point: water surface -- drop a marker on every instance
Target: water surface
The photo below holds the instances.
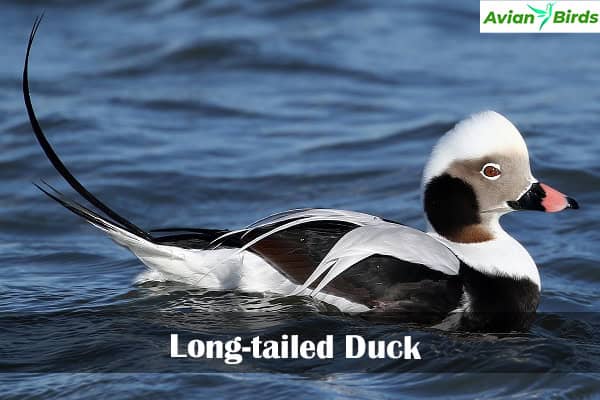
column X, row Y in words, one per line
column 217, row 113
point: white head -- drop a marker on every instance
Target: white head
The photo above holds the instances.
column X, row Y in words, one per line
column 477, row 172
column 476, row 136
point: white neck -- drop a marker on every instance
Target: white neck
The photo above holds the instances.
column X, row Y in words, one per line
column 501, row 256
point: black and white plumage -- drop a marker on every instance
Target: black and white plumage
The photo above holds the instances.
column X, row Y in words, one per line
column 466, row 263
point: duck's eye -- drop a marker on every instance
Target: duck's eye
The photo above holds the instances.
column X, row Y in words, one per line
column 491, row 171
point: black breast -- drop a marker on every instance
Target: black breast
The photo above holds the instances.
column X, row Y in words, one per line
column 402, row 290
column 498, row 303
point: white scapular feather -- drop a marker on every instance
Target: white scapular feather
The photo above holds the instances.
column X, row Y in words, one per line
column 355, row 217
column 387, row 239
column 299, row 217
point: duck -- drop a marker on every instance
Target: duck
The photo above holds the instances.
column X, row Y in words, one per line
column 464, row 272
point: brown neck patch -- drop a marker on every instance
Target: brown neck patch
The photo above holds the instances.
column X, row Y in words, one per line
column 471, row 234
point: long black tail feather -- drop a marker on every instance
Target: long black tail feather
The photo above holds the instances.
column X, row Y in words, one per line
column 76, row 207
column 57, row 162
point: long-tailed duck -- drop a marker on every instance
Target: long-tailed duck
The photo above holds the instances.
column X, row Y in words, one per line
column 465, row 265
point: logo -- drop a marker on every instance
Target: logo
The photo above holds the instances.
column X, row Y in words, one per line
column 544, row 15
column 559, row 16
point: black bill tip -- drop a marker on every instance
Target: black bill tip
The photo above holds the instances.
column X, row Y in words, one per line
column 572, row 204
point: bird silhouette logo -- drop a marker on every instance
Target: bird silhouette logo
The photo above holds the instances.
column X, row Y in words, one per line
column 545, row 15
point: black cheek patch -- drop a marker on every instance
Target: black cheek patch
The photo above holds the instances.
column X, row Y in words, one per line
column 450, row 204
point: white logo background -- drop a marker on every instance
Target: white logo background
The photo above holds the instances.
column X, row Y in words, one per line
column 520, row 7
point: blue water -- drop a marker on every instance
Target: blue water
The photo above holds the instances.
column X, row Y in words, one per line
column 217, row 113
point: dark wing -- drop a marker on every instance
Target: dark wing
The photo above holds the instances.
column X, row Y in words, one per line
column 297, row 251
column 382, row 281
